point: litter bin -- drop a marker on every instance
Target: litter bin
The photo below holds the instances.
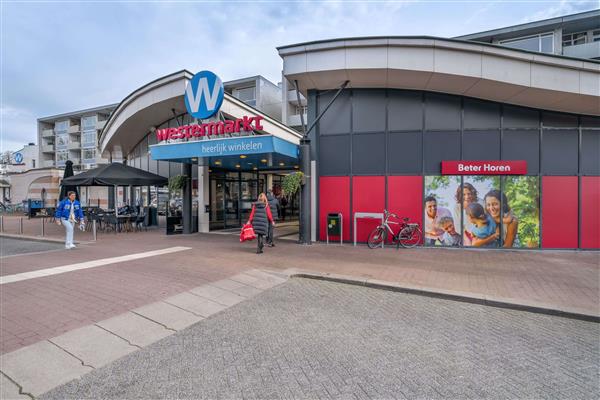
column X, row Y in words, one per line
column 334, row 226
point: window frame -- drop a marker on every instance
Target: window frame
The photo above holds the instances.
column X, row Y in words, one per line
column 539, row 36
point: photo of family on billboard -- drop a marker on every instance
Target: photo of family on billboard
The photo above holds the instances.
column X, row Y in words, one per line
column 481, row 211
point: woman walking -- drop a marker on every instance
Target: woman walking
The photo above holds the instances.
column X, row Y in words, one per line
column 261, row 218
column 68, row 213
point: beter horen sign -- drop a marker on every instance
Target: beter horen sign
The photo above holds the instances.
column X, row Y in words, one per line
column 484, row 167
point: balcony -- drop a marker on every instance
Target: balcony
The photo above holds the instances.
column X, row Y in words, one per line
column 292, row 98
column 294, row 120
column 48, row 148
column 48, row 164
column 585, row 50
column 74, row 129
column 100, row 125
column 47, row 133
column 74, row 146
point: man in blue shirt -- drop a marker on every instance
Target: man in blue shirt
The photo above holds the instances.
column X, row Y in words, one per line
column 68, row 213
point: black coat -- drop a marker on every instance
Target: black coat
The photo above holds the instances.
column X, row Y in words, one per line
column 260, row 220
column 274, row 205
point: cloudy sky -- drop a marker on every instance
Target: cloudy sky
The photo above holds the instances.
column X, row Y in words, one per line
column 61, row 56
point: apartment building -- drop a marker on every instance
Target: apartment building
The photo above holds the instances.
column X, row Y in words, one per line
column 72, row 136
column 258, row 92
column 576, row 35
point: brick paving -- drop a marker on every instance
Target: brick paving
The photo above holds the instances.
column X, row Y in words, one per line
column 41, row 308
column 309, row 339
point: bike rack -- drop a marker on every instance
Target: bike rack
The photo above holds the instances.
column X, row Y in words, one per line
column 367, row 215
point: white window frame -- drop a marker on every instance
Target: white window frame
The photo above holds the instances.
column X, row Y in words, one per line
column 539, row 37
column 571, row 40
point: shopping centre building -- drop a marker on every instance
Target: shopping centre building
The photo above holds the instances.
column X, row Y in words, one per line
column 482, row 144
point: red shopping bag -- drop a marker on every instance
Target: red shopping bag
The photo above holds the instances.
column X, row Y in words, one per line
column 247, row 233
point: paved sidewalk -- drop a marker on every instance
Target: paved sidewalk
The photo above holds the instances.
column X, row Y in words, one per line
column 37, row 309
column 307, row 339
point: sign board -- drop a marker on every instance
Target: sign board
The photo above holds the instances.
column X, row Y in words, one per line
column 210, row 129
column 484, row 167
column 204, row 95
column 18, row 158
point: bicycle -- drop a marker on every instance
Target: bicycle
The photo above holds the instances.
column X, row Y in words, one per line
column 409, row 234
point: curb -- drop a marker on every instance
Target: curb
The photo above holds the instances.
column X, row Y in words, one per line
column 465, row 297
column 38, row 238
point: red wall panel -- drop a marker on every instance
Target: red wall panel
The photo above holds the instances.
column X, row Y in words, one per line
column 368, row 195
column 405, row 197
column 334, row 197
column 590, row 212
column 559, row 212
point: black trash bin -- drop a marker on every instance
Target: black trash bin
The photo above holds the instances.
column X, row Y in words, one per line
column 334, row 226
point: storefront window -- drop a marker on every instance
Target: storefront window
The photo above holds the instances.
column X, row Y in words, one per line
column 442, row 226
column 521, row 225
column 481, row 229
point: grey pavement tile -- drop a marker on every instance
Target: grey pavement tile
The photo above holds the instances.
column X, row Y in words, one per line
column 41, row 367
column 309, row 339
column 247, row 291
column 138, row 331
column 9, row 390
column 198, row 305
column 218, row 295
column 93, row 345
column 169, row 315
column 227, row 284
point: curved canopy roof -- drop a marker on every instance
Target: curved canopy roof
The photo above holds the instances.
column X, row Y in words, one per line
column 155, row 103
column 471, row 69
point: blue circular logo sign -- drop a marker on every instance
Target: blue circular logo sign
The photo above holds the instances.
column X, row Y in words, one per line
column 18, row 158
column 204, row 95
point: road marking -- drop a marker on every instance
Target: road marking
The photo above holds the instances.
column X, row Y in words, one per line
column 88, row 264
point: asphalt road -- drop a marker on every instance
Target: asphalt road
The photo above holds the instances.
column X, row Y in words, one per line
column 309, row 339
column 11, row 247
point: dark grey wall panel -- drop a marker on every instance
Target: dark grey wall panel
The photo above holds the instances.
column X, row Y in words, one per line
column 368, row 153
column 559, row 120
column 442, row 112
column 523, row 145
column 518, row 117
column 174, row 168
column 560, row 150
column 368, row 110
column 405, row 152
column 337, row 117
column 481, row 145
column 590, row 122
column 440, row 146
column 481, row 114
column 590, row 152
column 163, row 168
column 405, row 110
column 334, row 155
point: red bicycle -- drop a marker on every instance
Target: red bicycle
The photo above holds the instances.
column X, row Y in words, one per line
column 409, row 235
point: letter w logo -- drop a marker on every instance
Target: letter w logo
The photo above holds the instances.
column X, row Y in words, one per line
column 198, row 88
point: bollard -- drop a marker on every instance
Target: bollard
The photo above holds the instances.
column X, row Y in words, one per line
column 43, row 226
column 94, row 229
column 20, row 225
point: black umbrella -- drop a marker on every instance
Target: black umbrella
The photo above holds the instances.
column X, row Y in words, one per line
column 116, row 174
column 65, row 187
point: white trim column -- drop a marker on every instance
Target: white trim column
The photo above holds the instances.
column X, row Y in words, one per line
column 203, row 199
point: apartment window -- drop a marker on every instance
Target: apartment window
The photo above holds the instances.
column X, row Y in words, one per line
column 300, row 110
column 88, row 138
column 596, row 35
column 573, row 39
column 88, row 122
column 61, row 157
column 88, row 155
column 543, row 43
column 247, row 95
column 62, row 141
column 61, row 126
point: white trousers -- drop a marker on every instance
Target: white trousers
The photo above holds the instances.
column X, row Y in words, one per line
column 69, row 228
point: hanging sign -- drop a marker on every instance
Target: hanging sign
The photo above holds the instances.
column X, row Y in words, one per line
column 484, row 167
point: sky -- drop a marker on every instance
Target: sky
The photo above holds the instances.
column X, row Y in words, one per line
column 63, row 56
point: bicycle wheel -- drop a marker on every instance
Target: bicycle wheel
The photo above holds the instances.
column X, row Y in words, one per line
column 376, row 237
column 410, row 239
